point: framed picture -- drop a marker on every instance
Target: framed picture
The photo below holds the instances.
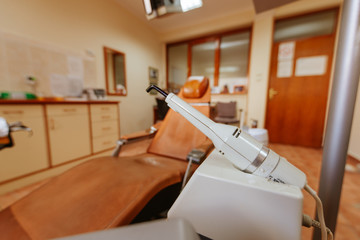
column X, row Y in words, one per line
column 239, row 89
column 153, row 78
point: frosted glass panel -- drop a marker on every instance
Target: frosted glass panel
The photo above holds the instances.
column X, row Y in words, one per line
column 234, row 60
column 317, row 24
column 177, row 66
column 222, row 58
column 203, row 60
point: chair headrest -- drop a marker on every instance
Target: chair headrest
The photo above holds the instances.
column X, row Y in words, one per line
column 195, row 87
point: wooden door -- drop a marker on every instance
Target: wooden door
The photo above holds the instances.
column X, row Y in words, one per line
column 298, row 91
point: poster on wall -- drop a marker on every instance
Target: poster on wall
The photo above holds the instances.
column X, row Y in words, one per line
column 285, row 59
column 311, row 66
column 65, row 86
column 286, row 51
column 153, row 78
column 284, row 68
column 75, row 67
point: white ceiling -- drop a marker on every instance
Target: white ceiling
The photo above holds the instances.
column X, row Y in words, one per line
column 212, row 9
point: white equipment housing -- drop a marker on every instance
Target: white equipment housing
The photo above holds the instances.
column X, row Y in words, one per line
column 224, row 203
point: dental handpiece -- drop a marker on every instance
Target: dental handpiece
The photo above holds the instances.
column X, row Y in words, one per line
column 241, row 149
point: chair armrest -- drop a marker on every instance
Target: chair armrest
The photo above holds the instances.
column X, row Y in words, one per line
column 199, row 153
column 138, row 135
column 148, row 133
column 134, row 137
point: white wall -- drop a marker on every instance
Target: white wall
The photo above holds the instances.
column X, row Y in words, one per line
column 86, row 26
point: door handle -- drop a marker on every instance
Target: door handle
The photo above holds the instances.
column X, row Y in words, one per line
column 272, row 93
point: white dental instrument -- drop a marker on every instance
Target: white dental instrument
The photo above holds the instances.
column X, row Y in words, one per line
column 245, row 152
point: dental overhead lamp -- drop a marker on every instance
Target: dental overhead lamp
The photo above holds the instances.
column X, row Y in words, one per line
column 243, row 190
column 158, row 8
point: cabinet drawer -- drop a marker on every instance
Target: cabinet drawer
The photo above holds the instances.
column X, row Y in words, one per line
column 17, row 112
column 103, row 112
column 103, row 108
column 104, row 128
column 103, row 117
column 67, row 109
column 104, row 142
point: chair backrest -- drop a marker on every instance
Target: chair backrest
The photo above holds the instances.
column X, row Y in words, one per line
column 163, row 108
column 226, row 109
column 176, row 136
column 226, row 113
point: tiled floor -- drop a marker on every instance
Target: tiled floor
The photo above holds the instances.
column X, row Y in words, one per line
column 309, row 161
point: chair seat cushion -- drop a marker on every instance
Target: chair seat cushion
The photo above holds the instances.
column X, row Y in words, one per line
column 98, row 194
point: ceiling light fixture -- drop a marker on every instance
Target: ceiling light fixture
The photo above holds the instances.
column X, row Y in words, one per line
column 158, row 8
column 188, row 5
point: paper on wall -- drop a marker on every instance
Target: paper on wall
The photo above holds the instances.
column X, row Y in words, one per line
column 311, row 66
column 75, row 85
column 284, row 69
column 58, row 85
column 286, row 51
column 65, row 86
column 75, row 67
column 285, row 59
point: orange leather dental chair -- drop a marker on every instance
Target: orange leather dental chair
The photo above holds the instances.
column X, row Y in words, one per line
column 111, row 191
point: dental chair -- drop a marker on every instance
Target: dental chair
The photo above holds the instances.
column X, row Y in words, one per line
column 111, row 191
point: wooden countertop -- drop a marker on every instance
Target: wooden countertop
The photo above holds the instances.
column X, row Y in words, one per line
column 54, row 101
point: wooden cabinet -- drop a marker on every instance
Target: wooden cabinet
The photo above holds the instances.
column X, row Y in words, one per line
column 63, row 132
column 69, row 134
column 29, row 153
column 104, row 126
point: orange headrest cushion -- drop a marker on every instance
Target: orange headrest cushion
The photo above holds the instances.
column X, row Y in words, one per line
column 195, row 88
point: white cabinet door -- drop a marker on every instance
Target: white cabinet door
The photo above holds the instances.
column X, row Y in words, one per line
column 29, row 153
column 69, row 132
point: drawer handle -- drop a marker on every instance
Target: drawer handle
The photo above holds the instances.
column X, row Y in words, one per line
column 13, row 112
column 106, row 128
column 105, row 108
column 69, row 110
column 106, row 117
